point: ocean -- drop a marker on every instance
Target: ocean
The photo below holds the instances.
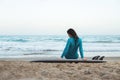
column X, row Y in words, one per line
column 19, row 46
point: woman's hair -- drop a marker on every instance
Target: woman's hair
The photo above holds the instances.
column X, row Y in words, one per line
column 72, row 33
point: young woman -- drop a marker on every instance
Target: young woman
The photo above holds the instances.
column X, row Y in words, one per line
column 73, row 43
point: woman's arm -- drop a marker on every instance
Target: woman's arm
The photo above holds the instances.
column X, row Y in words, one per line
column 81, row 48
column 66, row 49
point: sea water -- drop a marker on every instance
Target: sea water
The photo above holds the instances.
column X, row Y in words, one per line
column 53, row 45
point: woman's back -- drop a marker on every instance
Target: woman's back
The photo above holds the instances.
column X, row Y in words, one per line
column 71, row 49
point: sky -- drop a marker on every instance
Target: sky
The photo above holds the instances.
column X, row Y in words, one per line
column 42, row 17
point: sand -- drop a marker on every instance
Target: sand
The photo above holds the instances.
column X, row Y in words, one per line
column 25, row 70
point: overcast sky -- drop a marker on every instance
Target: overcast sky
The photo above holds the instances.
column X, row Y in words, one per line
column 36, row 17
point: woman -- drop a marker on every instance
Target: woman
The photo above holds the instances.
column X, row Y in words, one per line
column 73, row 43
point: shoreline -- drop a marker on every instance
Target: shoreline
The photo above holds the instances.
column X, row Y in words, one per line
column 52, row 58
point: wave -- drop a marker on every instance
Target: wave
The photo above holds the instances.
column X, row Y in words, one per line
column 47, row 38
column 58, row 40
column 50, row 50
column 34, row 53
column 107, row 50
column 101, row 41
column 102, row 51
column 54, row 50
column 14, row 40
column 19, row 40
column 27, row 49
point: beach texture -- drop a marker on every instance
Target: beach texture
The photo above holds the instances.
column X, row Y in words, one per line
column 24, row 70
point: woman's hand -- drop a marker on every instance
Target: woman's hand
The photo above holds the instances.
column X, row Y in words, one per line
column 85, row 59
column 60, row 58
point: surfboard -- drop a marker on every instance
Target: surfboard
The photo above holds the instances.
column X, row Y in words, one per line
column 69, row 61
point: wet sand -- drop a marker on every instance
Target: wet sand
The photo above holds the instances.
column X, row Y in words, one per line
column 25, row 70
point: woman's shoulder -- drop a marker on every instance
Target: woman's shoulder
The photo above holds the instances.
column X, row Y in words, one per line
column 80, row 39
column 73, row 39
column 70, row 39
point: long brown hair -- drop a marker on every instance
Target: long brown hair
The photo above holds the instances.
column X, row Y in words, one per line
column 73, row 34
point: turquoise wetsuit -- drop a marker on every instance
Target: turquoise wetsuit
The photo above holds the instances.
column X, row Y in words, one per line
column 71, row 49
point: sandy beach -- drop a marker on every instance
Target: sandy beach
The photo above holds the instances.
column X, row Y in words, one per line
column 25, row 70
